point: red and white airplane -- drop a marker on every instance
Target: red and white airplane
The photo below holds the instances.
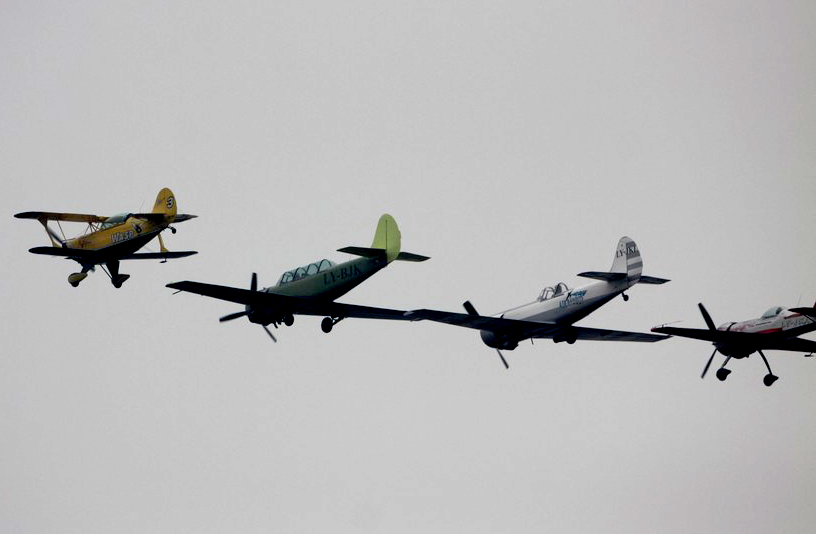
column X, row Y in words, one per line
column 777, row 329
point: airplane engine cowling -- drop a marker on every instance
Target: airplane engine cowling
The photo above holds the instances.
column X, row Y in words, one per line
column 495, row 341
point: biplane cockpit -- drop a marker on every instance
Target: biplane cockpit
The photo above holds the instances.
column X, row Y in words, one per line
column 306, row 270
column 553, row 291
column 113, row 220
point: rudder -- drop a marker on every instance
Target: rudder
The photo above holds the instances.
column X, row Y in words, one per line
column 387, row 237
column 627, row 259
column 166, row 204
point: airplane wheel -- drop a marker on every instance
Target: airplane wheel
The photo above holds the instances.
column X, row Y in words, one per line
column 288, row 320
column 117, row 284
column 74, row 284
column 722, row 374
column 625, row 297
column 326, row 324
column 769, row 379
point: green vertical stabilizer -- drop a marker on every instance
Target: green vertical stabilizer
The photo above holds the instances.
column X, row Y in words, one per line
column 387, row 237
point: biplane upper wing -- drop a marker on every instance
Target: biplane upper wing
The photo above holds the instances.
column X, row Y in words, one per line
column 289, row 304
column 530, row 329
column 54, row 216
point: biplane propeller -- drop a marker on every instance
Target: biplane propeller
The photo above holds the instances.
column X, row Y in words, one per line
column 108, row 240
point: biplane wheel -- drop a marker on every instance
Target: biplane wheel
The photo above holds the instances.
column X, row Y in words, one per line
column 74, row 284
column 326, row 324
column 722, row 374
column 119, row 280
column 288, row 320
column 75, row 278
column 769, row 379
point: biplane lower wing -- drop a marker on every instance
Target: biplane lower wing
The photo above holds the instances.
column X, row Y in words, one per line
column 288, row 304
column 530, row 329
column 105, row 255
column 781, row 340
column 160, row 255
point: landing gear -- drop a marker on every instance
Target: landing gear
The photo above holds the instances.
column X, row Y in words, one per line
column 625, row 297
column 288, row 320
column 722, row 373
column 113, row 271
column 328, row 323
column 770, row 378
column 75, row 278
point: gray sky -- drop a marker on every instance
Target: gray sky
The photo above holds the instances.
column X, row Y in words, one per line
column 514, row 142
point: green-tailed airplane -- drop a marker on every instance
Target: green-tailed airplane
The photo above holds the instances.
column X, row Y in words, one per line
column 312, row 289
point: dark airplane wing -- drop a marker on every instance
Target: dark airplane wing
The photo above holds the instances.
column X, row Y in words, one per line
column 160, row 255
column 287, row 304
column 781, row 340
column 529, row 329
column 65, row 252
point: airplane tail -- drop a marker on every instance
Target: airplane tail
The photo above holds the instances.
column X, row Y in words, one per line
column 627, row 259
column 627, row 265
column 387, row 238
column 166, row 204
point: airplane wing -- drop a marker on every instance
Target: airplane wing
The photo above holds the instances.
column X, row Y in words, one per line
column 529, row 329
column 160, row 217
column 782, row 340
column 600, row 334
column 288, row 304
column 65, row 252
column 54, row 216
column 160, row 255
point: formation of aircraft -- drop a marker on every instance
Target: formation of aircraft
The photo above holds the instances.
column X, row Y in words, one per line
column 553, row 314
column 108, row 240
column 312, row 289
column 777, row 329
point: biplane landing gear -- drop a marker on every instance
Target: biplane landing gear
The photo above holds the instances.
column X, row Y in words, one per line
column 116, row 279
column 625, row 297
column 289, row 320
column 328, row 322
column 75, row 278
column 770, row 378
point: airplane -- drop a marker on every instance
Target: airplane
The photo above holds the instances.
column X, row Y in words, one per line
column 553, row 314
column 108, row 240
column 776, row 329
column 312, row 289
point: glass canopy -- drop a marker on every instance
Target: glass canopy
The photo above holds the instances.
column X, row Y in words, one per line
column 119, row 218
column 553, row 291
column 772, row 312
column 306, row 270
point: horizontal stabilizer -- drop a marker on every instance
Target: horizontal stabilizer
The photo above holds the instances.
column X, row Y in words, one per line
column 652, row 280
column 408, row 256
column 161, row 255
column 599, row 275
column 365, row 252
column 810, row 312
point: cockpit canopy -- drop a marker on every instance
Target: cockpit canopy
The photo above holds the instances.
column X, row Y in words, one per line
column 553, row 291
column 119, row 218
column 306, row 270
column 772, row 312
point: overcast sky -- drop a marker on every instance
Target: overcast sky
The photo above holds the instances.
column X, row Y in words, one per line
column 514, row 143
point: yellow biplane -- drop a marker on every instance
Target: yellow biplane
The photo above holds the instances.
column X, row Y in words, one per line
column 107, row 240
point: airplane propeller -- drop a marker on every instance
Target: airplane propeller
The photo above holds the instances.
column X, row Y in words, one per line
column 710, row 323
column 471, row 310
column 253, row 286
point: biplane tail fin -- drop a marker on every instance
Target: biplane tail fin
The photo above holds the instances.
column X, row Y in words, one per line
column 166, row 204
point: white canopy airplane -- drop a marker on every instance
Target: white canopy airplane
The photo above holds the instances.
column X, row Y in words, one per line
column 777, row 329
column 552, row 314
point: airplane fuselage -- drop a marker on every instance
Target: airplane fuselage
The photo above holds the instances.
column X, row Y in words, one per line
column 782, row 321
column 328, row 284
column 564, row 309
